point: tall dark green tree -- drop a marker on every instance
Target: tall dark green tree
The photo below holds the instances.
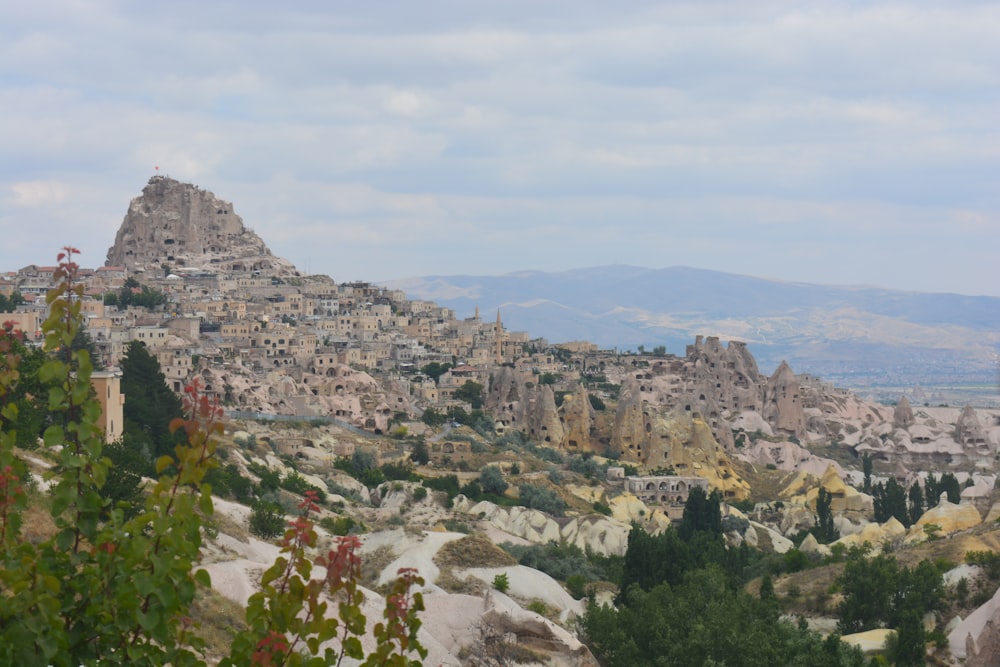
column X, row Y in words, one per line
column 420, row 454
column 702, row 512
column 890, row 501
column 150, row 405
column 29, row 394
column 8, row 304
column 878, row 592
column 82, row 341
column 932, row 491
column 907, row 647
column 824, row 530
column 435, row 370
column 916, row 502
column 471, row 392
column 866, row 464
column 949, row 484
column 704, row 621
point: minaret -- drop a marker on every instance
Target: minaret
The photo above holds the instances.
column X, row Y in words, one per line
column 477, row 313
column 498, row 339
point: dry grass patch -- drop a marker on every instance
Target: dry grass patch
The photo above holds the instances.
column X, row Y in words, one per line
column 372, row 564
column 218, row 620
column 36, row 522
column 447, row 581
column 473, row 551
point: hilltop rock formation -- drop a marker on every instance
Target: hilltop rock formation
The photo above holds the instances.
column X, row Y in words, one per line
column 902, row 416
column 782, row 406
column 545, row 423
column 180, row 225
column 577, row 417
column 969, row 431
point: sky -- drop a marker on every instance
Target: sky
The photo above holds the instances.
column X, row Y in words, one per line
column 826, row 142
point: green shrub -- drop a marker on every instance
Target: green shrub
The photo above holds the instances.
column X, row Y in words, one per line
column 446, row 483
column 576, row 584
column 542, row 499
column 342, row 525
column 456, row 526
column 267, row 521
column 501, row 583
column 295, row 483
column 492, row 481
column 538, row 607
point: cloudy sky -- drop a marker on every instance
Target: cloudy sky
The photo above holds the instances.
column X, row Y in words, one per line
column 840, row 142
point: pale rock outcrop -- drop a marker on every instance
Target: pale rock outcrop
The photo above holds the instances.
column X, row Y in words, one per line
column 629, row 434
column 782, row 405
column 628, row 509
column 845, row 526
column 751, row 422
column 795, row 518
column 181, row 225
column 530, row 524
column 845, row 498
column 545, row 424
column 969, row 432
column 949, row 517
column 982, row 487
column 601, row 535
column 779, row 543
column 507, row 398
column 590, row 494
column 890, row 532
column 688, row 445
column 577, row 419
column 412, row 551
column 871, row 641
column 993, row 514
column 976, row 640
column 902, row 415
column 787, row 455
column 529, row 584
column 811, row 546
column 797, row 484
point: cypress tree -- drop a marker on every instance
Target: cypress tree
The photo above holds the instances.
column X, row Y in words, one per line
column 150, row 405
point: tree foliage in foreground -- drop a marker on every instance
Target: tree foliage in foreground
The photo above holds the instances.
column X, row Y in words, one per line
column 880, row 593
column 705, row 621
column 682, row 602
column 105, row 588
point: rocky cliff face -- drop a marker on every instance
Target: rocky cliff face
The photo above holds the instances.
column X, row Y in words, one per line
column 782, row 404
column 179, row 225
column 902, row 416
column 578, row 419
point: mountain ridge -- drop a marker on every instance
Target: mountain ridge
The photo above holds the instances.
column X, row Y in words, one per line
column 895, row 336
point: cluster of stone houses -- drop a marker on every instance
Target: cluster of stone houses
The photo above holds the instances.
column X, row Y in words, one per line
column 268, row 324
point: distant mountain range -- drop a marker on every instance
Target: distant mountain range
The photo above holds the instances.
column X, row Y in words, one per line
column 858, row 336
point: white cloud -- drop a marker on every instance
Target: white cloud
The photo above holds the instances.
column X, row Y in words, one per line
column 38, row 193
column 520, row 135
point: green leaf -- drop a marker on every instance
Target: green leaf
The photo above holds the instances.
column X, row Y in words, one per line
column 353, row 648
column 203, row 578
column 163, row 463
column 54, row 435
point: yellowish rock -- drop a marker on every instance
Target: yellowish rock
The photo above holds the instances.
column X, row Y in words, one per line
column 590, row 494
column 875, row 534
column 845, row 498
column 871, row 641
column 948, row 517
